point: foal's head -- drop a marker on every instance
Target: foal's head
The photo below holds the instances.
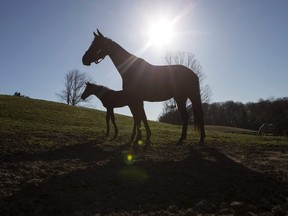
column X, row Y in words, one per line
column 98, row 49
column 91, row 88
column 88, row 91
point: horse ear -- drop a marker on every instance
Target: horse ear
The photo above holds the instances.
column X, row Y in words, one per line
column 95, row 35
column 99, row 33
column 86, row 83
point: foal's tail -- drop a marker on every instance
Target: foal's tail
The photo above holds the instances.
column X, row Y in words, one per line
column 197, row 108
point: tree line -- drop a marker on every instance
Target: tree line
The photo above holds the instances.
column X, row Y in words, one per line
column 236, row 114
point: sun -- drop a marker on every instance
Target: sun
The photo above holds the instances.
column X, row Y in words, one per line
column 160, row 32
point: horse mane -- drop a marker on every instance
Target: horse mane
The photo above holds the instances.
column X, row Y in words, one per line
column 106, row 38
column 105, row 87
column 100, row 86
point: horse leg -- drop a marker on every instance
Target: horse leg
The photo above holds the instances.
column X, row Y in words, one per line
column 114, row 123
column 108, row 115
column 139, row 131
column 198, row 115
column 201, row 127
column 147, row 128
column 134, row 131
column 181, row 104
column 202, row 132
column 134, row 108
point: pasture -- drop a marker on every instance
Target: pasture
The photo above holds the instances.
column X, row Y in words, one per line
column 56, row 160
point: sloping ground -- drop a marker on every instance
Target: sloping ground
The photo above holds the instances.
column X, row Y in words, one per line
column 74, row 170
column 233, row 130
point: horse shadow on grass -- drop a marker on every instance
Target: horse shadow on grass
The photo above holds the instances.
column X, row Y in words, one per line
column 205, row 176
column 88, row 151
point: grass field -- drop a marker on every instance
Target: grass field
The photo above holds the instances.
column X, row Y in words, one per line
column 37, row 118
column 56, row 160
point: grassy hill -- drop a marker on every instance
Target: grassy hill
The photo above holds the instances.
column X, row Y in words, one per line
column 48, row 123
column 56, row 160
column 55, row 121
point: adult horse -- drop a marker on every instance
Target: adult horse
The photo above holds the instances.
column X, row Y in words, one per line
column 145, row 82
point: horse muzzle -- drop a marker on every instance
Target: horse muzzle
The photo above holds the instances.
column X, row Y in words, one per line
column 85, row 60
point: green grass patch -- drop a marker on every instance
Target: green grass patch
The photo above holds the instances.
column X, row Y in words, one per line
column 45, row 123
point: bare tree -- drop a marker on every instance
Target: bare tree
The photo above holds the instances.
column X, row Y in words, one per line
column 189, row 60
column 74, row 82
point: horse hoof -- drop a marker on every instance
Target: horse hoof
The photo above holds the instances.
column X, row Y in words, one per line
column 128, row 144
column 200, row 146
column 135, row 148
column 146, row 147
column 147, row 142
column 201, row 143
column 179, row 143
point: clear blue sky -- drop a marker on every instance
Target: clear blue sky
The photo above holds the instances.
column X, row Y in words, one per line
column 242, row 45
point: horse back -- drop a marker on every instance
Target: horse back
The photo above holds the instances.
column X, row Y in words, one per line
column 158, row 83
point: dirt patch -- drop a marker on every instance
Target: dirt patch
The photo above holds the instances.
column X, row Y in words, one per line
column 94, row 178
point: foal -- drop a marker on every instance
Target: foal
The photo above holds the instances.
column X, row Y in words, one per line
column 112, row 99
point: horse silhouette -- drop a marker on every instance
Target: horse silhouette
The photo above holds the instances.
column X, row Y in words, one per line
column 110, row 100
column 145, row 82
column 266, row 128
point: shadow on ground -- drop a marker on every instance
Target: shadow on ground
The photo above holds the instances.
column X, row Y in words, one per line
column 205, row 181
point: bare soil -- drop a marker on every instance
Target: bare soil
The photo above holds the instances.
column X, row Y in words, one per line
column 94, row 178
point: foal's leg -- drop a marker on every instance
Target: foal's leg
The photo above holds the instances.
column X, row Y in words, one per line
column 114, row 123
column 181, row 104
column 108, row 115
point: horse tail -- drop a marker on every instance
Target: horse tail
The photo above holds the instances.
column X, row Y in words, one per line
column 197, row 107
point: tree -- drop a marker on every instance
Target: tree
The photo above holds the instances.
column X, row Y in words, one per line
column 170, row 113
column 74, row 83
column 18, row 94
column 189, row 60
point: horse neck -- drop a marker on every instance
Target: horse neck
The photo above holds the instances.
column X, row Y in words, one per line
column 121, row 58
column 99, row 91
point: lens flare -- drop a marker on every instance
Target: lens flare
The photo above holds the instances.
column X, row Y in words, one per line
column 161, row 32
column 129, row 158
column 140, row 142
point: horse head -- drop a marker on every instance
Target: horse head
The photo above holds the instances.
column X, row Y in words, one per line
column 92, row 88
column 86, row 93
column 97, row 51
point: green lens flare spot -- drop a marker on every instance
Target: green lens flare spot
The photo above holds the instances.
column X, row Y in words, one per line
column 129, row 158
column 140, row 142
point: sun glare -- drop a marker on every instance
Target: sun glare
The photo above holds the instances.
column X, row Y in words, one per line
column 161, row 32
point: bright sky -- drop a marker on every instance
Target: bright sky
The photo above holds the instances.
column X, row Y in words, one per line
column 242, row 45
